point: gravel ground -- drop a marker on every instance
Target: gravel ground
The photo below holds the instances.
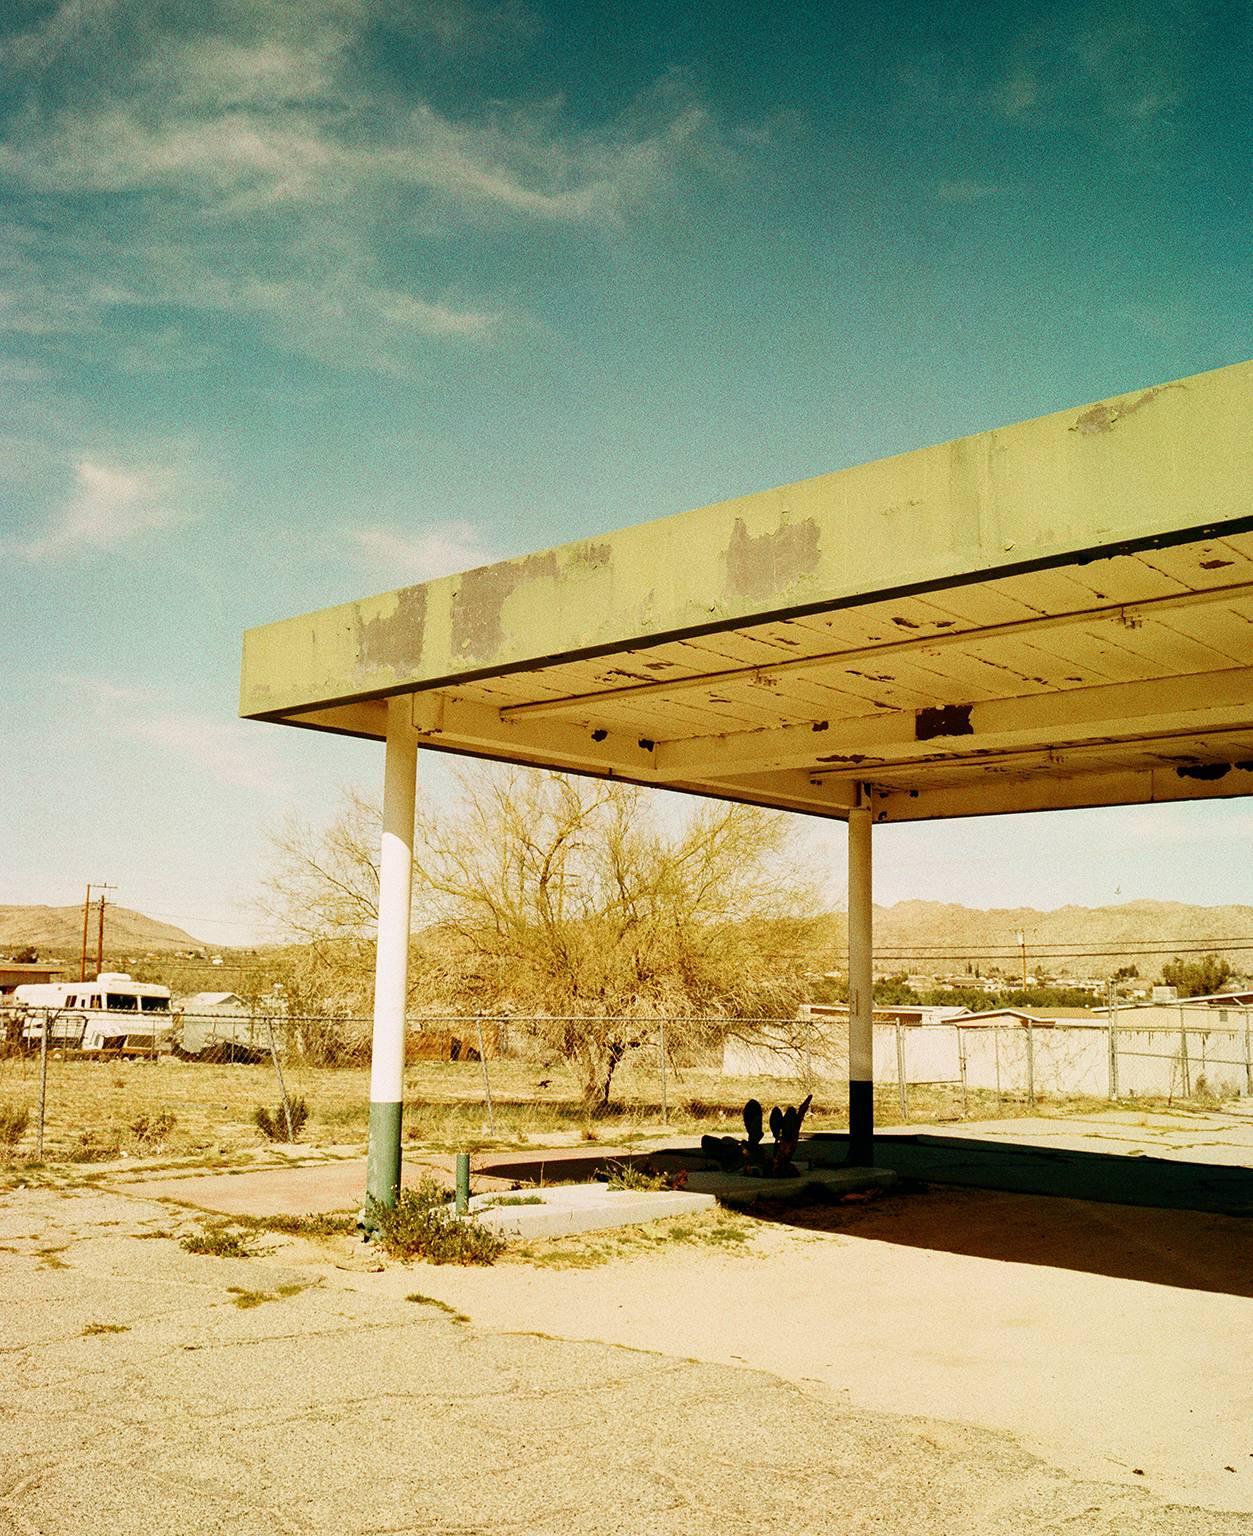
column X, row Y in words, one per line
column 330, row 1404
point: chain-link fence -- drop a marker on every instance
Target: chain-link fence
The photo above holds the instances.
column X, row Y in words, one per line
column 1198, row 1056
column 483, row 1075
column 467, row 1075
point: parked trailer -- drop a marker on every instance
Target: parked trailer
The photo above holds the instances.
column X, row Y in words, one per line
column 112, row 1015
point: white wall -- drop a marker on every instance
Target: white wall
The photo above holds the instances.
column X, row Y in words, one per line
column 1166, row 1061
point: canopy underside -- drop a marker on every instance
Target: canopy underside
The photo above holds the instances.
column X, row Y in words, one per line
column 1112, row 671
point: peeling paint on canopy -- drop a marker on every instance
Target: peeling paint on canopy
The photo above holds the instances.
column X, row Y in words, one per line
column 1054, row 613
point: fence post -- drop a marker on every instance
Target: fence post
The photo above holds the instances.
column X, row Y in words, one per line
column 487, row 1082
column 1030, row 1066
column 1184, row 1066
column 961, row 1067
column 278, row 1072
column 1248, row 1056
column 902, row 1076
column 43, row 1088
column 996, row 1057
column 661, row 1051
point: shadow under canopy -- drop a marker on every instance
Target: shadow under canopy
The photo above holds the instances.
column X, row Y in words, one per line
column 1191, row 1250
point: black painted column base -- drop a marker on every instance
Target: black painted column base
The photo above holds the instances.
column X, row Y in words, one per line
column 861, row 1124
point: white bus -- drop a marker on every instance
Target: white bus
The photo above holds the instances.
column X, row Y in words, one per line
column 110, row 1014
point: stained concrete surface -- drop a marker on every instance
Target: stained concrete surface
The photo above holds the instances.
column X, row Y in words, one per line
column 691, row 1391
column 321, row 1185
column 939, row 1359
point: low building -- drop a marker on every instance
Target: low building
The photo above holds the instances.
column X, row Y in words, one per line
column 220, row 1026
column 1209, row 1012
column 1043, row 1017
column 20, row 973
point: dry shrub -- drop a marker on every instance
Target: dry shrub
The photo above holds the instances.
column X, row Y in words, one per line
column 421, row 1226
column 223, row 1242
column 13, row 1123
column 152, row 1131
column 95, row 1147
column 274, row 1126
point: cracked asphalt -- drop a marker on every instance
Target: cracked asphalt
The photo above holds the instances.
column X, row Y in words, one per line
column 140, row 1396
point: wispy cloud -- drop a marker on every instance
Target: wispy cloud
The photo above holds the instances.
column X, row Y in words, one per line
column 1100, row 62
column 229, row 752
column 232, row 154
column 1095, row 66
column 421, row 554
column 1134, row 62
column 268, row 173
column 108, row 506
column 1018, row 91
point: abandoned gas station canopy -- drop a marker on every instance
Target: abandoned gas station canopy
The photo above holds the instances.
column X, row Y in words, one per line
column 1053, row 614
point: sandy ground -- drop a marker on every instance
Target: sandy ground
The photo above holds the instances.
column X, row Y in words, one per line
column 898, row 1372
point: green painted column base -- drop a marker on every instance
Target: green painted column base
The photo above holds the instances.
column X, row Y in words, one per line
column 382, row 1172
column 861, row 1124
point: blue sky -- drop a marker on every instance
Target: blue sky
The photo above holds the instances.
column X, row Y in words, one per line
column 299, row 302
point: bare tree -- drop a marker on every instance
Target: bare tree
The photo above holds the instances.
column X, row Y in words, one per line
column 570, row 903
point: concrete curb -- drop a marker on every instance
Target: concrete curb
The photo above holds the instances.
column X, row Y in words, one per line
column 741, row 1189
column 570, row 1208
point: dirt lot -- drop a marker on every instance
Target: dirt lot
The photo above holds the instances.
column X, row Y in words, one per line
column 93, row 1105
column 943, row 1360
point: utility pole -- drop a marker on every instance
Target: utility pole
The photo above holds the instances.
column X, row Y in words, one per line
column 82, row 963
column 1022, row 945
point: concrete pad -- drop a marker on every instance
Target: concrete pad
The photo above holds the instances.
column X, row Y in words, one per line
column 326, row 1188
column 1080, row 1164
column 313, row 1189
column 1113, row 1341
column 570, row 1208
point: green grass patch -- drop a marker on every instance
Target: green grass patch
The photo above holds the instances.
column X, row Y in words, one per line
column 636, row 1176
column 92, row 1329
column 320, row 1224
column 440, row 1306
column 245, row 1299
column 218, row 1241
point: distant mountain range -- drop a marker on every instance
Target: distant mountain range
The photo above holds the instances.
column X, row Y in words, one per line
column 928, row 937
column 934, row 936
column 61, row 928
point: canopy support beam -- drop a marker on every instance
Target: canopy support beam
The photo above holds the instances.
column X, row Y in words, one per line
column 391, row 966
column 860, row 989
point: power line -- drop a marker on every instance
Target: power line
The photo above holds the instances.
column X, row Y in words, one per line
column 1077, row 946
column 941, row 951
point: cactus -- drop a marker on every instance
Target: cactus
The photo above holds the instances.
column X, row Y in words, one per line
column 752, row 1121
column 750, row 1156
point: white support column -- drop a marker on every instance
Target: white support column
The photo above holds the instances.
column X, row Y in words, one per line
column 391, row 968
column 860, row 990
